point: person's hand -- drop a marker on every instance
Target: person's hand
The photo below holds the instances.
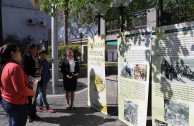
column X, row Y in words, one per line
column 69, row 76
column 76, row 74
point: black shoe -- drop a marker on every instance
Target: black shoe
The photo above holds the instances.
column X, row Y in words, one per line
column 36, row 117
column 30, row 119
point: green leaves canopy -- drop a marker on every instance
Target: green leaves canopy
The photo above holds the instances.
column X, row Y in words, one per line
column 181, row 9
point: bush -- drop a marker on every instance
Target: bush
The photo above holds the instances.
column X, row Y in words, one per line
column 22, row 43
column 25, row 42
column 11, row 38
column 62, row 49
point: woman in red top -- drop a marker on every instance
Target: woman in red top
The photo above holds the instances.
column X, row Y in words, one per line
column 14, row 85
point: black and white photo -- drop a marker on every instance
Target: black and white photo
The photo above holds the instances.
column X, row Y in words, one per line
column 130, row 112
column 176, row 113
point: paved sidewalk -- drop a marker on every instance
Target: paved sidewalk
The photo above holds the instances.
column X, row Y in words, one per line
column 81, row 116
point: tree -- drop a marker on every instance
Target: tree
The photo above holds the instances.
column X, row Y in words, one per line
column 67, row 6
column 181, row 10
column 73, row 27
column 55, row 5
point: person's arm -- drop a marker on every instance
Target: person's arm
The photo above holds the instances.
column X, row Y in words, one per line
column 63, row 67
column 77, row 68
column 18, row 78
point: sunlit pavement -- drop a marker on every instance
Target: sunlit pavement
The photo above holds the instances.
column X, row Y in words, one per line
column 83, row 115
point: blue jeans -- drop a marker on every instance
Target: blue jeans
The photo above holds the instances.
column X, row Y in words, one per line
column 42, row 93
column 17, row 114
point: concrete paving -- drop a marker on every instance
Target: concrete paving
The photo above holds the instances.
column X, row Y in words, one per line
column 83, row 115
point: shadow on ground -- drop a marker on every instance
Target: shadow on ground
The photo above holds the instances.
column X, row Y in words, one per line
column 79, row 117
column 59, row 89
column 112, row 110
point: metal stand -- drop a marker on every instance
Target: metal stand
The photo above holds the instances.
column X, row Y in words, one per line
column 115, row 112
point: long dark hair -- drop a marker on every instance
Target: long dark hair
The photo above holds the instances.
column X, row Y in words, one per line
column 5, row 55
column 30, row 47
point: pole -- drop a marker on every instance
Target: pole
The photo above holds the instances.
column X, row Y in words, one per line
column 159, row 13
column 54, row 53
column 121, row 18
column 179, row 18
column 99, row 23
column 102, row 25
column 81, row 36
column 66, row 13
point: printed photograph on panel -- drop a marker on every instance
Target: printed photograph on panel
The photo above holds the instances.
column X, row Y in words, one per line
column 177, row 71
column 140, row 72
column 176, row 113
column 127, row 70
column 130, row 112
column 160, row 123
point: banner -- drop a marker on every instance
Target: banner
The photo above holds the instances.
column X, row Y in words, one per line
column 173, row 75
column 133, row 76
column 96, row 73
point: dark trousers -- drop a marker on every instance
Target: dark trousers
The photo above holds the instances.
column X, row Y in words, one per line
column 32, row 106
column 17, row 114
column 32, row 109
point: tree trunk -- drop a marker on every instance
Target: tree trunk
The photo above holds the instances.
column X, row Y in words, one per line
column 66, row 13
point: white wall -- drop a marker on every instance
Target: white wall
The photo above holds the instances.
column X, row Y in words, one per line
column 15, row 14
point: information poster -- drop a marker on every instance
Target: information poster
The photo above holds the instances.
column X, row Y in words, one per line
column 133, row 76
column 173, row 75
column 96, row 73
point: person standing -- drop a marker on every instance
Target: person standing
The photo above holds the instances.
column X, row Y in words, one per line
column 45, row 77
column 31, row 68
column 70, row 69
column 14, row 85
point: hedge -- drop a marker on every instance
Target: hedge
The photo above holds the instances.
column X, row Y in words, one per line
column 62, row 49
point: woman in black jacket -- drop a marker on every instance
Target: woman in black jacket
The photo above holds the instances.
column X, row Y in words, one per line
column 70, row 69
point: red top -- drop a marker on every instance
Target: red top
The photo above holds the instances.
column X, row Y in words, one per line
column 15, row 84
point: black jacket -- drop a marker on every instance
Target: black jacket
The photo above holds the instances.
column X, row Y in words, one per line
column 29, row 65
column 65, row 67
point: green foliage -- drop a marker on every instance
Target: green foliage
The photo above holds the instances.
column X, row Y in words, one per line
column 11, row 38
column 181, row 10
column 22, row 43
column 50, row 6
column 25, row 42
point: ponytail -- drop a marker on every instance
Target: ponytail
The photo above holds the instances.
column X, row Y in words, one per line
column 5, row 55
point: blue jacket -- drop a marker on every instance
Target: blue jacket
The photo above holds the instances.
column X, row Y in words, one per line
column 45, row 76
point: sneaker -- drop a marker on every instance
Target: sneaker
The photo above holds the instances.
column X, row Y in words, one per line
column 50, row 110
column 42, row 108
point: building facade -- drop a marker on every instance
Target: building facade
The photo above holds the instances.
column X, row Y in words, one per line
column 19, row 17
